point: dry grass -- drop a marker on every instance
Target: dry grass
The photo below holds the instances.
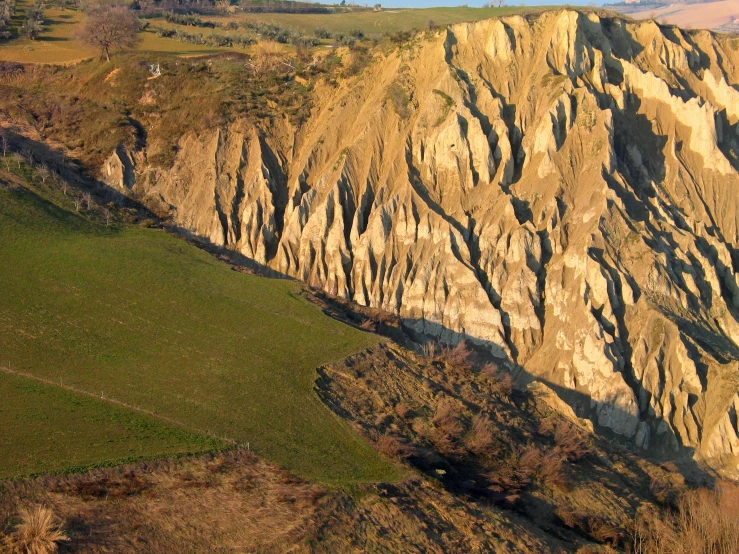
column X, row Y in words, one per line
column 214, row 503
column 39, row 532
column 569, row 441
column 595, row 527
column 392, row 447
column 481, row 440
column 704, row 522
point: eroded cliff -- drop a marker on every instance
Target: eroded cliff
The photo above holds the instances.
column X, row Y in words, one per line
column 559, row 189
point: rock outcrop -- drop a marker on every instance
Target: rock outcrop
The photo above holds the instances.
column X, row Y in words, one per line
column 560, row 189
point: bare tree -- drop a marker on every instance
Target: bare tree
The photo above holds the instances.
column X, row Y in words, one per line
column 88, row 200
column 110, row 29
column 77, row 203
column 44, row 173
column 34, row 24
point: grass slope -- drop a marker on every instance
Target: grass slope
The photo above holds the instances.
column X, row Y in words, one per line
column 45, row 428
column 58, row 44
column 375, row 24
column 147, row 319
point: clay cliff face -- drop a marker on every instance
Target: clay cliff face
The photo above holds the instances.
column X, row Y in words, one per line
column 561, row 190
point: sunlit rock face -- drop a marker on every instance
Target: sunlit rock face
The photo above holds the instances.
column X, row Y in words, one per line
column 560, row 189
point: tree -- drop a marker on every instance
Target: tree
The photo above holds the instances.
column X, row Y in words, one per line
column 110, row 29
column 34, row 24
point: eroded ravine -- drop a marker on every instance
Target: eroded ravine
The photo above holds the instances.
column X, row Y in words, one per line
column 559, row 189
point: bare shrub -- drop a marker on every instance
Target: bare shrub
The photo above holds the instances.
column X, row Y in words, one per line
column 403, row 410
column 89, row 202
column 705, row 521
column 368, row 325
column 430, row 349
column 550, row 469
column 446, row 418
column 523, row 465
column 514, row 472
column 481, row 439
column 604, row 531
column 459, row 356
column 664, row 490
column 448, row 428
column 597, row 528
column 392, row 447
column 39, row 532
column 501, row 379
column 570, row 441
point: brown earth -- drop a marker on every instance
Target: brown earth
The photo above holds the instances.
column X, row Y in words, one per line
column 233, row 502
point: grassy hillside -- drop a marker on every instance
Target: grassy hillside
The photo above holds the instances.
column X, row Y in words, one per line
column 145, row 318
column 58, row 44
column 44, row 428
column 375, row 24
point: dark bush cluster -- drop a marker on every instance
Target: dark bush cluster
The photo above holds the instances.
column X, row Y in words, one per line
column 210, row 39
column 7, row 11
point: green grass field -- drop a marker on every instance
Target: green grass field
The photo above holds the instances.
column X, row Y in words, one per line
column 145, row 318
column 375, row 24
column 45, row 428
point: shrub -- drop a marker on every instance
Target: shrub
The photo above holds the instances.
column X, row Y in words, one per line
column 704, row 521
column 448, row 428
column 501, row 379
column 597, row 528
column 392, row 447
column 481, row 436
column 403, row 410
column 522, row 466
column 39, row 532
column 570, row 441
column 549, row 469
column 459, row 356
column 400, row 100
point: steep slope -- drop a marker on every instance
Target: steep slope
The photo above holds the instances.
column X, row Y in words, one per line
column 559, row 189
column 488, row 470
column 179, row 351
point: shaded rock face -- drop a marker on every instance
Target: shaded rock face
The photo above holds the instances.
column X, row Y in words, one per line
column 561, row 190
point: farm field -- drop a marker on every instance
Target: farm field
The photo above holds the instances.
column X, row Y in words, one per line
column 375, row 24
column 58, row 44
column 45, row 428
column 144, row 318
